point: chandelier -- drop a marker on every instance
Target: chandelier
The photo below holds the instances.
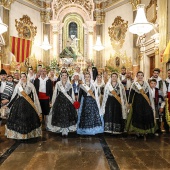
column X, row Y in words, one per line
column 46, row 45
column 98, row 46
column 3, row 27
column 141, row 25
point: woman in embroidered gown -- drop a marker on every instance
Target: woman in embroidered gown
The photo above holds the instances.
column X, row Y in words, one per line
column 99, row 85
column 141, row 119
column 114, row 106
column 89, row 119
column 24, row 121
column 63, row 115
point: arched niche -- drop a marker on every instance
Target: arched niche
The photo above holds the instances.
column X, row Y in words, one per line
column 77, row 21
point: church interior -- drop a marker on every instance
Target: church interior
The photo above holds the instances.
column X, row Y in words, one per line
column 111, row 34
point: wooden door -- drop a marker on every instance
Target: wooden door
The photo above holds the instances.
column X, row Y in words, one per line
column 152, row 65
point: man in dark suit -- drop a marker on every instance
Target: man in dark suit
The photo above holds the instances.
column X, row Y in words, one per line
column 44, row 88
column 92, row 69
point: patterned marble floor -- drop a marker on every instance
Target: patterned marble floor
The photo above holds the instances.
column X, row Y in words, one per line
column 52, row 152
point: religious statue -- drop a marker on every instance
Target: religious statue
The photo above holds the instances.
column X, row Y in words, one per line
column 68, row 51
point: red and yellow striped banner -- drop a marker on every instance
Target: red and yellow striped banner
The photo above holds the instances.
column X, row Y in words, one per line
column 21, row 48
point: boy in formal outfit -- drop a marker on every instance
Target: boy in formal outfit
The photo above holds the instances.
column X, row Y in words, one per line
column 159, row 102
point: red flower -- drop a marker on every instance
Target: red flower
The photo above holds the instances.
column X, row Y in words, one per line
column 76, row 105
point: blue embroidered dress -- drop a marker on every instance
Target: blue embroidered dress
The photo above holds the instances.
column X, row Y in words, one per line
column 89, row 120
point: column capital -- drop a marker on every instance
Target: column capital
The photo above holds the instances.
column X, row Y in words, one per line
column 90, row 26
column 6, row 3
column 134, row 4
column 55, row 26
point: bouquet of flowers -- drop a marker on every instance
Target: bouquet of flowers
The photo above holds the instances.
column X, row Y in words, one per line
column 76, row 104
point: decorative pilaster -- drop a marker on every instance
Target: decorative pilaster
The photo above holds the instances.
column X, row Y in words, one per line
column 163, row 33
column 46, row 13
column 99, row 13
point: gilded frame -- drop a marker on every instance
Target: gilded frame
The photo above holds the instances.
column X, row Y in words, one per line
column 151, row 11
column 25, row 28
column 117, row 32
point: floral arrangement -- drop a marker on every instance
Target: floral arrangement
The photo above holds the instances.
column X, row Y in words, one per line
column 112, row 69
column 54, row 65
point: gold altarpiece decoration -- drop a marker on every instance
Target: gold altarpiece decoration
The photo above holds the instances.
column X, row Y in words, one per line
column 117, row 61
column 25, row 28
column 117, row 32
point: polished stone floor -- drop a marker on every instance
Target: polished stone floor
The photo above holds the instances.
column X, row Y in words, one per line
column 104, row 152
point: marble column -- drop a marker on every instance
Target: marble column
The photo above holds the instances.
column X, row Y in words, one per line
column 55, row 40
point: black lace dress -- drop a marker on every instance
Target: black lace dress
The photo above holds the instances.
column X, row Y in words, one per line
column 141, row 117
column 23, row 121
column 113, row 119
column 63, row 115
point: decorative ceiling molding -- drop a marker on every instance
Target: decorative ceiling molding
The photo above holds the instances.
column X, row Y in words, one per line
column 6, row 3
column 87, row 5
column 113, row 4
column 110, row 3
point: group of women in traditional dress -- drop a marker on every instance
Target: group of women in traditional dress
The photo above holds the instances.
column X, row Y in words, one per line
column 103, row 108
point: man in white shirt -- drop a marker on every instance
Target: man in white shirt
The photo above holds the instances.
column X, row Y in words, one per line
column 44, row 88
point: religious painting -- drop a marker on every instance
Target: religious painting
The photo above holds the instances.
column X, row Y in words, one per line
column 117, row 32
column 26, row 32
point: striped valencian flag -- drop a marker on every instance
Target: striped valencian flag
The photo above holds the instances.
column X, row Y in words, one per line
column 21, row 48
